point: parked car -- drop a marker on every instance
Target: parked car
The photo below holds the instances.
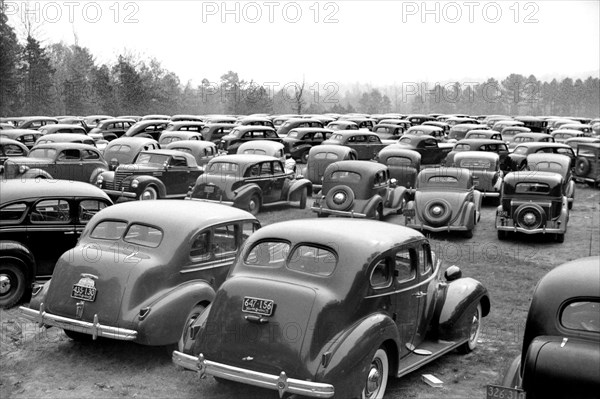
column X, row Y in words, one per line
column 27, row 137
column 186, row 118
column 534, row 123
column 485, row 168
column 387, row 131
column 561, row 343
column 517, row 160
column 557, row 163
column 94, row 120
column 113, row 128
column 294, row 123
column 460, row 120
column 445, row 126
column 124, row 150
column 530, row 138
column 167, row 137
column 150, row 117
column 213, row 119
column 202, row 151
column 36, row 122
column 416, row 119
column 359, row 189
column 299, row 141
column 241, row 134
column 573, row 142
column 459, row 131
column 484, row 134
column 436, row 132
column 38, row 223
column 510, row 132
column 255, row 121
column 533, row 203
column 342, row 125
column 501, row 124
column 404, row 165
column 403, row 123
column 486, row 145
column 270, row 148
column 249, row 182
column 154, row 174
column 76, row 120
column 11, row 148
column 361, row 309
column 561, row 135
column 167, row 259
column 65, row 138
column 215, row 131
column 62, row 128
column 445, row 200
column 66, row 161
column 432, row 152
column 148, row 128
column 363, row 123
column 321, row 156
column 185, row 126
column 366, row 144
column 587, row 165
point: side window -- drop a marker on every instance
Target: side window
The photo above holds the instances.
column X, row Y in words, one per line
column 178, row 162
column 68, row 155
column 247, row 229
column 88, row 154
column 277, row 168
column 381, row 275
column 88, row 208
column 254, row 171
column 405, row 263
column 425, row 260
column 12, row 213
column 200, row 246
column 51, row 211
column 224, row 241
column 265, row 169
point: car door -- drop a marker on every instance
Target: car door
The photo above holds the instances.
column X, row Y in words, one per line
column 178, row 176
column 267, row 183
column 430, row 152
column 90, row 161
column 68, row 165
column 51, row 231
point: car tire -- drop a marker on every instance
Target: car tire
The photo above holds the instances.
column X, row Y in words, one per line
column 437, row 220
column 253, row 205
column 474, row 331
column 185, row 342
column 304, row 157
column 560, row 237
column 347, row 198
column 469, row 233
column 149, row 194
column 322, row 215
column 13, row 284
column 582, row 166
column 502, row 235
column 78, row 336
column 377, row 376
column 303, row 196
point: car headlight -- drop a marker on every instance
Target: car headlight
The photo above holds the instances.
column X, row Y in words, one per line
column 100, row 180
column 23, row 168
column 135, row 183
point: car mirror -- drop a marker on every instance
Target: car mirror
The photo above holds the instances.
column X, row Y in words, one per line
column 452, row 273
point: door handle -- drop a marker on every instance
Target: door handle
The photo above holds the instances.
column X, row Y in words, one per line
column 69, row 232
column 419, row 294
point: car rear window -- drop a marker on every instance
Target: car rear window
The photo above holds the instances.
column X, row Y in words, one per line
column 343, row 176
column 256, row 151
column 292, row 134
column 268, row 254
column 119, row 148
column 581, row 316
column 462, row 147
column 327, row 155
column 42, row 153
column 442, row 179
column 12, row 213
column 532, row 188
column 312, row 260
column 109, row 230
column 405, row 140
column 223, row 168
column 548, row 166
column 141, row 234
column 475, row 163
column 399, row 161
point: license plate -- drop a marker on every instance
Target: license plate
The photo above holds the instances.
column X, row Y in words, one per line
column 503, row 214
column 263, row 307
column 409, row 212
column 83, row 293
column 498, row 392
column 209, row 189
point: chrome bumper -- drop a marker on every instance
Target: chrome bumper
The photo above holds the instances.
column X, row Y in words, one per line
column 230, row 203
column 543, row 230
column 117, row 193
column 95, row 329
column 280, row 383
column 352, row 214
column 436, row 229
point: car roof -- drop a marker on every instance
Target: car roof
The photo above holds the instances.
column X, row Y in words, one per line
column 311, row 130
column 19, row 132
column 272, row 145
column 17, row 189
column 201, row 144
column 392, row 150
column 478, row 141
column 532, row 177
column 540, row 144
column 350, row 133
column 564, row 160
column 339, row 149
column 243, row 158
column 246, row 128
column 60, row 146
column 492, row 156
column 461, row 173
column 592, row 145
column 359, row 166
column 65, row 137
column 424, row 128
column 138, row 141
column 5, row 140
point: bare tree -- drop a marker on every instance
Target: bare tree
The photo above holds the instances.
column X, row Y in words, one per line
column 298, row 100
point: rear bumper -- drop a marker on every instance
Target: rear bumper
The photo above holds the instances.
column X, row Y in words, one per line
column 352, row 214
column 436, row 229
column 280, row 383
column 230, row 203
column 94, row 329
column 510, row 226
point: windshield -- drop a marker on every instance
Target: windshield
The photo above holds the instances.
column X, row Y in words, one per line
column 147, row 158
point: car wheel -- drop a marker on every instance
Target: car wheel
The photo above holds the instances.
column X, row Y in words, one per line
column 530, row 216
column 474, row 331
column 501, row 235
column 303, row 196
column 560, row 237
column 469, row 233
column 148, row 194
column 78, row 336
column 339, row 198
column 253, row 205
column 304, row 157
column 377, row 375
column 582, row 166
column 523, row 166
column 12, row 284
column 322, row 215
column 185, row 342
column 437, row 212
column 379, row 212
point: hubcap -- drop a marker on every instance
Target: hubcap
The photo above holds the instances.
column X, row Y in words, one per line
column 529, row 219
column 437, row 210
column 147, row 195
column 4, row 284
column 252, row 205
column 474, row 327
column 339, row 198
column 374, row 378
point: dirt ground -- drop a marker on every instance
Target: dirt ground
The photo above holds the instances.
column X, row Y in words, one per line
column 40, row 363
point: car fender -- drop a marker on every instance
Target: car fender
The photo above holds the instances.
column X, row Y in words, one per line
column 145, row 181
column 34, row 173
column 297, row 186
column 469, row 215
column 454, row 308
column 395, row 197
column 20, row 254
column 370, row 208
column 163, row 323
column 512, row 375
column 94, row 175
column 351, row 353
column 300, row 149
column 243, row 194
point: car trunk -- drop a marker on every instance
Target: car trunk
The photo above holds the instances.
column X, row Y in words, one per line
column 215, row 187
column 90, row 265
column 268, row 344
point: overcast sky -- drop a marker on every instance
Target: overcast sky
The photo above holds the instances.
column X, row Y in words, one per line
column 378, row 42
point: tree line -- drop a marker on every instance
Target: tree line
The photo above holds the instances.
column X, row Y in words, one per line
column 61, row 79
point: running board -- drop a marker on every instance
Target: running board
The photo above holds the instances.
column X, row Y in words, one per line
column 413, row 361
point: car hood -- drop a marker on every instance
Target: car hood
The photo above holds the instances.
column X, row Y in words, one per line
column 271, row 345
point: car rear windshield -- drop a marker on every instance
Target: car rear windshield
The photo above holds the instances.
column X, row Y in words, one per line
column 475, row 163
column 119, row 148
column 268, row 254
column 547, row 166
column 442, row 179
column 462, row 147
column 256, row 151
column 344, row 176
column 312, row 260
column 109, row 230
column 42, row 153
column 141, row 234
column 399, row 161
column 327, row 155
column 582, row 316
column 292, row 134
column 532, row 188
column 223, row 168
